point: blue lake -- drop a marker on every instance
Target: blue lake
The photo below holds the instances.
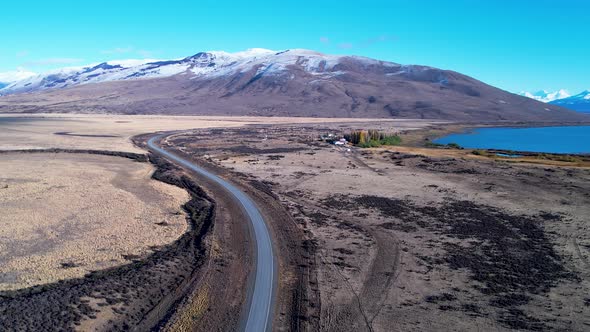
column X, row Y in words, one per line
column 541, row 139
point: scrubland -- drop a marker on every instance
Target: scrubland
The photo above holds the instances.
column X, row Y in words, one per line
column 64, row 215
column 408, row 239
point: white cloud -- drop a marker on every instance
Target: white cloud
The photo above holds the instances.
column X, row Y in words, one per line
column 345, row 46
column 127, row 50
column 324, row 40
column 15, row 75
column 145, row 53
column 118, row 50
column 367, row 42
column 380, row 39
column 22, row 54
column 53, row 61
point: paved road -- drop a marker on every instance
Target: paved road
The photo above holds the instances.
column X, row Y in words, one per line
column 260, row 304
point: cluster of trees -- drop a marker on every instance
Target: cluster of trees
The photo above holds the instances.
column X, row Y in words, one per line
column 372, row 138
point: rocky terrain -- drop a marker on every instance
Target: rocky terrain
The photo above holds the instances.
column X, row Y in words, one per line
column 399, row 241
column 381, row 239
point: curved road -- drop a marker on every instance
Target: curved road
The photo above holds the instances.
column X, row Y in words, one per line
column 260, row 304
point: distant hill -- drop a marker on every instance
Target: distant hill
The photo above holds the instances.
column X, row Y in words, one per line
column 546, row 96
column 270, row 83
column 579, row 102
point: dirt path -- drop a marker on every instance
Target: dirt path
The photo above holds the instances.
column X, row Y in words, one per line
column 383, row 271
column 261, row 298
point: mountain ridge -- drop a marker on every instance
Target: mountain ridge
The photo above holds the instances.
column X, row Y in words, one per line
column 546, row 96
column 579, row 102
column 276, row 83
column 211, row 64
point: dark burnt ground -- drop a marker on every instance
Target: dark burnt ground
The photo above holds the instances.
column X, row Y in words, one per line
column 129, row 155
column 131, row 291
column 466, row 262
column 508, row 257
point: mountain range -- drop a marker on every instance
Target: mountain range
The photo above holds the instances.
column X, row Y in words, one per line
column 545, row 96
column 274, row 83
column 6, row 78
column 579, row 102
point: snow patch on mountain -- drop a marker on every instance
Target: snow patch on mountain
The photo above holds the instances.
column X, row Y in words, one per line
column 267, row 62
column 545, row 96
column 127, row 63
column 94, row 73
column 204, row 65
column 16, row 75
column 579, row 102
column 582, row 96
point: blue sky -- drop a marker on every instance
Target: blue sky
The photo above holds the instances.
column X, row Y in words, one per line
column 516, row 45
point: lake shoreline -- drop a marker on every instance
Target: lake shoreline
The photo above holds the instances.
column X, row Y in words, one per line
column 564, row 140
column 422, row 137
column 421, row 142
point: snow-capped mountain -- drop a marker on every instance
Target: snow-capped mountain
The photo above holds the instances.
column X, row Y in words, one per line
column 201, row 65
column 95, row 73
column 274, row 83
column 7, row 78
column 579, row 102
column 545, row 96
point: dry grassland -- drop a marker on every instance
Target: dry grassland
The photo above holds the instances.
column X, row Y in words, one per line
column 113, row 132
column 64, row 215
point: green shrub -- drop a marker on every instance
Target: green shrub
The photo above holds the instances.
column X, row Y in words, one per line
column 391, row 140
column 433, row 145
column 372, row 138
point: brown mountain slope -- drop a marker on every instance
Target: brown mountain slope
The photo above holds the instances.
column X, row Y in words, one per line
column 354, row 87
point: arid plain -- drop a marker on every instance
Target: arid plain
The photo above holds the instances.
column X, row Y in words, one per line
column 64, row 215
column 70, row 213
column 114, row 132
column 414, row 239
column 423, row 238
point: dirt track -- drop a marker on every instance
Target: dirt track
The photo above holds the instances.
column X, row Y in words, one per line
column 295, row 269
